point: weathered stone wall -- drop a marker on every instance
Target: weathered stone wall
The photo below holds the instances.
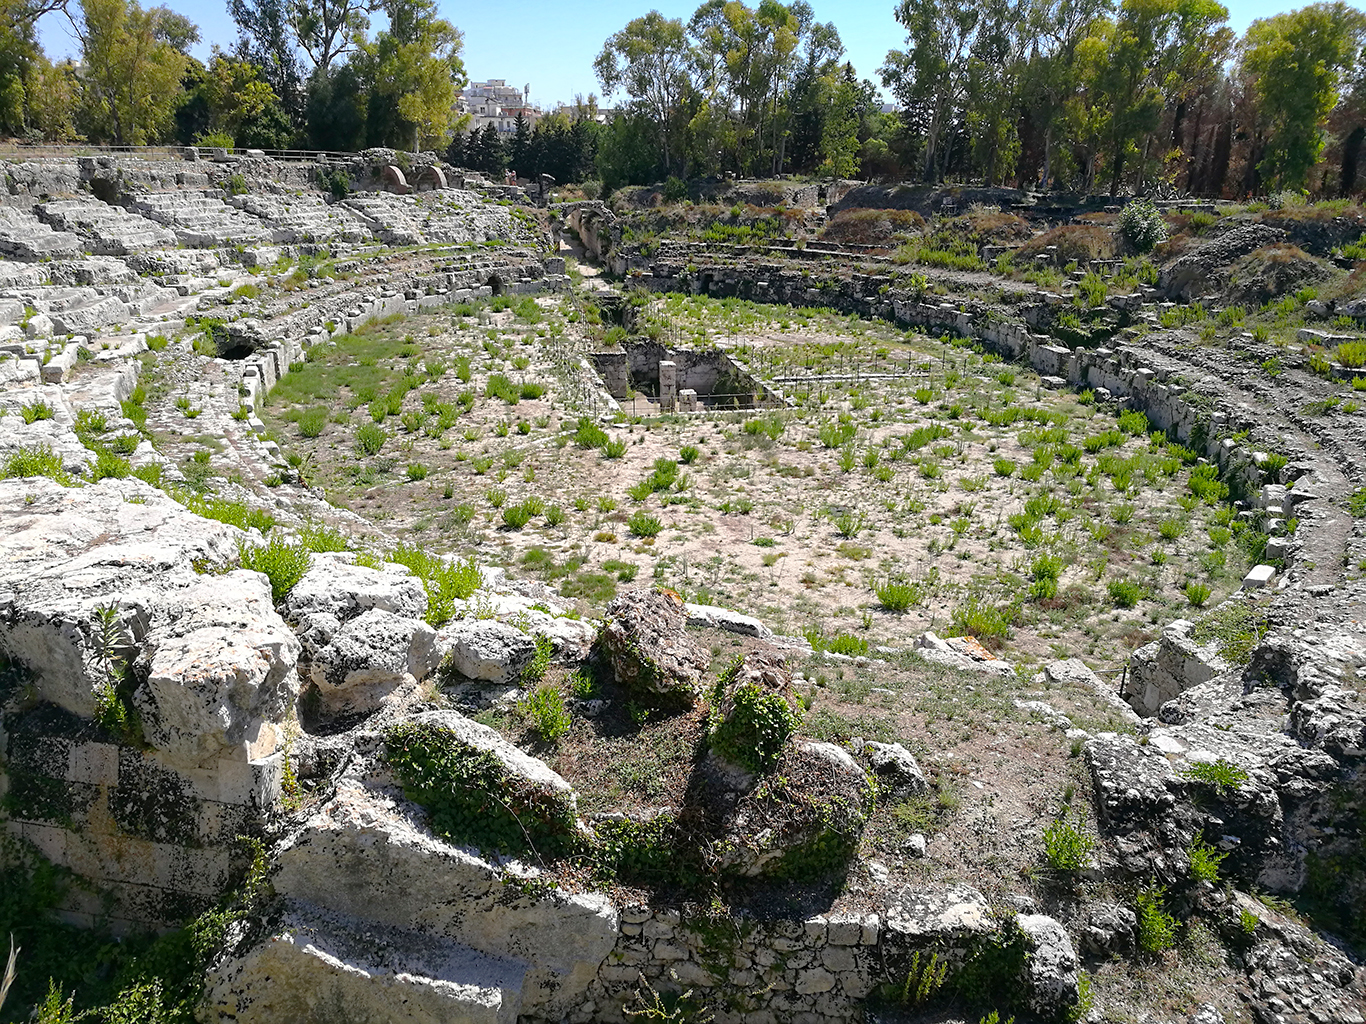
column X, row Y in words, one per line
column 792, row 971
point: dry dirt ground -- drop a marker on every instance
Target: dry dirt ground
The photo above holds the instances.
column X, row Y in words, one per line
column 1071, row 532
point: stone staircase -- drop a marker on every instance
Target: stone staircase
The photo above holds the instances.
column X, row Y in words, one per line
column 24, row 237
column 202, row 221
column 459, row 933
column 303, row 218
column 394, row 220
column 107, row 230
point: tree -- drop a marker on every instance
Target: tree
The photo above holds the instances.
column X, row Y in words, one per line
column 492, row 156
column 1051, row 76
column 929, row 78
column 415, row 68
column 327, row 29
column 649, row 59
column 337, row 109
column 1297, row 62
column 239, row 104
column 1153, row 48
column 265, row 37
column 519, row 151
column 992, row 93
column 134, row 61
column 839, row 134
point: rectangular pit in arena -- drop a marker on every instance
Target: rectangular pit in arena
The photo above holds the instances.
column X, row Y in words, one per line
column 647, row 376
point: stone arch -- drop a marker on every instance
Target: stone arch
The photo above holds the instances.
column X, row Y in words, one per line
column 393, row 180
column 430, row 178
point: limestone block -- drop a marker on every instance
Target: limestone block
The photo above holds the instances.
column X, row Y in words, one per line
column 1169, row 665
column 1258, row 576
column 221, row 673
column 371, row 656
column 485, row 649
column 646, row 645
column 362, row 856
column 898, row 774
column 1050, row 972
column 322, row 967
column 724, row 618
column 334, row 584
column 65, row 551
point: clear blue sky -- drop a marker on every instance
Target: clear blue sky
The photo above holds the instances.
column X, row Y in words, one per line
column 551, row 46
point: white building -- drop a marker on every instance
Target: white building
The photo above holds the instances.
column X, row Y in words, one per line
column 497, row 103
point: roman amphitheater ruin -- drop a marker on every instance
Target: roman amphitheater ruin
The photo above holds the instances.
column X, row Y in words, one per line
column 454, row 608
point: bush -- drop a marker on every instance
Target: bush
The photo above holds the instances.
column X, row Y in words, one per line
column 312, row 421
column 614, row 450
column 1156, row 927
column 1125, row 593
column 1205, row 861
column 589, row 434
column 39, row 460
column 642, row 524
column 1220, row 774
column 471, row 796
column 544, row 709
column 847, row 643
column 1197, row 594
column 1066, row 847
column 688, row 454
column 899, row 595
column 756, row 729
column 445, row 582
column 370, row 438
column 1141, row 224
column 517, row 516
column 36, row 410
column 283, row 563
column 416, row 471
column 981, row 619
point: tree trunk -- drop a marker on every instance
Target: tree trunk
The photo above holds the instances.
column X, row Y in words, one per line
column 1351, row 151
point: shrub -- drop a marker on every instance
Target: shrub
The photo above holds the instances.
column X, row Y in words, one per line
column 283, row 563
column 614, row 450
column 847, row 643
column 445, row 582
column 370, row 438
column 756, row 729
column 39, row 460
column 312, row 421
column 109, row 465
column 517, row 516
column 544, row 709
column 1004, row 467
column 1205, row 861
column 1066, row 847
column 417, row 471
column 36, row 410
column 589, row 434
column 1125, row 593
column 688, row 454
column 1220, row 774
column 234, row 513
column 983, row 620
column 899, row 595
column 1352, row 354
column 642, row 524
column 1197, row 594
column 1142, row 225
column 1156, row 927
